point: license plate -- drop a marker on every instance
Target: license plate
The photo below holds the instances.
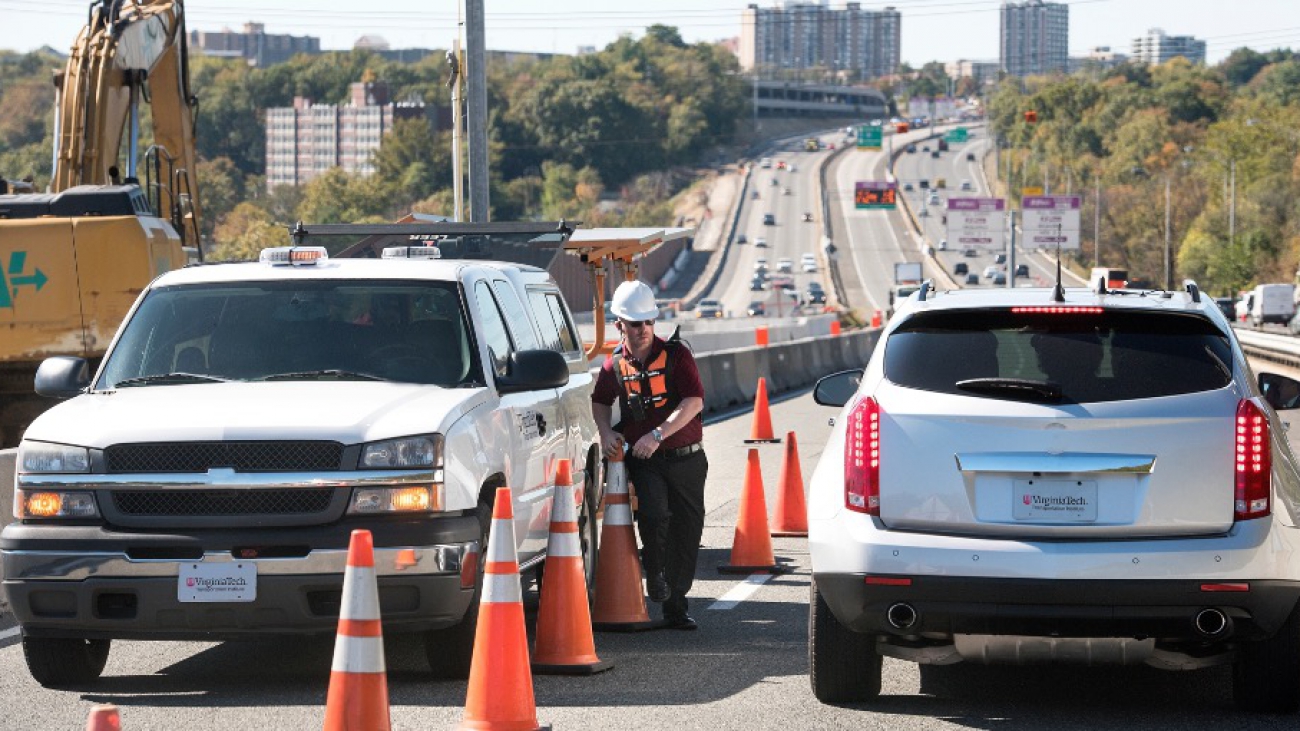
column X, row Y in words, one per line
column 1055, row 501
column 217, row 582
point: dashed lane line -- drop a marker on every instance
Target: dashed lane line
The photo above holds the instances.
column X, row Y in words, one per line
column 740, row 592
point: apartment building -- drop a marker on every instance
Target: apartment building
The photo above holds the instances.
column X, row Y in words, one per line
column 1155, row 47
column 1034, row 37
column 801, row 35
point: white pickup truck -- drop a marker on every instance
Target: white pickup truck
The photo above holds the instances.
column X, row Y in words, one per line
column 247, row 417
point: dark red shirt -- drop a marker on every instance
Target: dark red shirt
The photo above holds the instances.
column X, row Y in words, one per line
column 683, row 382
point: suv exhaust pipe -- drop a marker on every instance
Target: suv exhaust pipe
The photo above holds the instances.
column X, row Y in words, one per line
column 1212, row 623
column 901, row 615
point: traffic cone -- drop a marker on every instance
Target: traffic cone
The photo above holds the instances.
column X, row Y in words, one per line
column 103, row 718
column 791, row 516
column 500, row 695
column 565, row 645
column 751, row 549
column 620, row 602
column 761, row 430
column 875, row 319
column 358, row 694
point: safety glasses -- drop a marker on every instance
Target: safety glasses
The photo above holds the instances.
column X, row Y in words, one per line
column 637, row 323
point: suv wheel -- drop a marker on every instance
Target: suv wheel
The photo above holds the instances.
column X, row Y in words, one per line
column 843, row 665
column 450, row 650
column 1266, row 676
column 58, row 662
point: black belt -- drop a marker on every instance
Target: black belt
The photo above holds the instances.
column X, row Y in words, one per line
column 686, row 451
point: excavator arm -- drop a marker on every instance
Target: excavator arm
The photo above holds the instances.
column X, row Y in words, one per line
column 131, row 51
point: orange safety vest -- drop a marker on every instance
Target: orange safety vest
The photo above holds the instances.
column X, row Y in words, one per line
column 650, row 384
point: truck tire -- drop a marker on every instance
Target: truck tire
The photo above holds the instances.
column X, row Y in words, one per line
column 59, row 662
column 843, row 665
column 1266, row 675
column 450, row 650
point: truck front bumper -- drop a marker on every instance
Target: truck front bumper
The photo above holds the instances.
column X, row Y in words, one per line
column 95, row 582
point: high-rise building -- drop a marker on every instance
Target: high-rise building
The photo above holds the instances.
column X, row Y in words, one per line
column 307, row 139
column 983, row 72
column 254, row 44
column 1156, row 47
column 811, row 35
column 1035, row 37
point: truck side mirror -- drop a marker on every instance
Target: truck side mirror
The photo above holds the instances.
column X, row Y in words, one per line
column 534, row 370
column 62, row 376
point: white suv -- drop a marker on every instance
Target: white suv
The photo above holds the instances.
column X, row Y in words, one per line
column 1019, row 478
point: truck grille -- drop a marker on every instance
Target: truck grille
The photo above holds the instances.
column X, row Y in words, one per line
column 239, row 456
column 201, row 503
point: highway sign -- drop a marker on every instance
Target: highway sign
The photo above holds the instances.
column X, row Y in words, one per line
column 869, row 137
column 868, row 194
column 976, row 223
column 1051, row 220
column 957, row 134
column 1031, row 190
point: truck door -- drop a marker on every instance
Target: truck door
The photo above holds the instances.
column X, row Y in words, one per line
column 534, row 423
column 559, row 334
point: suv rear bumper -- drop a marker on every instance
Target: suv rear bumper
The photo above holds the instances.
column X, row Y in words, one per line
column 1164, row 609
column 96, row 582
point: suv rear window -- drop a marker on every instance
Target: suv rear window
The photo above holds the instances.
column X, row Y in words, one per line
column 1109, row 356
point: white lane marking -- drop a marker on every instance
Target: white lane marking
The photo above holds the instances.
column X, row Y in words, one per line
column 11, row 632
column 741, row 591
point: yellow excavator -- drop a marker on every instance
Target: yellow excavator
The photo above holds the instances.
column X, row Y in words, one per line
column 73, row 260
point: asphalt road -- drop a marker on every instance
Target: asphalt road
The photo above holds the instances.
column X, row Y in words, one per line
column 746, row 669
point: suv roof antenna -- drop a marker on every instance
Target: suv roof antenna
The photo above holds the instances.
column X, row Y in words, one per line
column 926, row 286
column 1058, row 292
column 1193, row 290
column 1101, row 285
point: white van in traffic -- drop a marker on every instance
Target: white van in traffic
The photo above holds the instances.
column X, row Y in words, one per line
column 1271, row 303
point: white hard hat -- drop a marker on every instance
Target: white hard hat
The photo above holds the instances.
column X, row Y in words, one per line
column 633, row 301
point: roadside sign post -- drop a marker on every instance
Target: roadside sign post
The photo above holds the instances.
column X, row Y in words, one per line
column 976, row 223
column 875, row 194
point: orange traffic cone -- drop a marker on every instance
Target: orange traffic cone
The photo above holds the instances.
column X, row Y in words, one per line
column 751, row 549
column 620, row 603
column 565, row 645
column 791, row 517
column 103, row 718
column 358, row 694
column 875, row 319
column 500, row 695
column 761, row 431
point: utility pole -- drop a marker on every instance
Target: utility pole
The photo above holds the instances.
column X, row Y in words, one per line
column 458, row 175
column 476, row 61
column 1232, row 210
column 1096, row 226
column 1011, row 258
column 1169, row 268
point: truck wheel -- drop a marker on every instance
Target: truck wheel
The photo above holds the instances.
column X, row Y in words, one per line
column 1266, row 676
column 450, row 650
column 843, row 665
column 589, row 530
column 58, row 662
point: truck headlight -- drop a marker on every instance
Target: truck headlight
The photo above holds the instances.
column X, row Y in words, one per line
column 54, row 504
column 46, row 458
column 404, row 453
column 407, row 499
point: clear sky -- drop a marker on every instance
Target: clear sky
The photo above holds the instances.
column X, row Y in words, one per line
column 942, row 30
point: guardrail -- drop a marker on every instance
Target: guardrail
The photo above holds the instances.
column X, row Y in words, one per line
column 1272, row 347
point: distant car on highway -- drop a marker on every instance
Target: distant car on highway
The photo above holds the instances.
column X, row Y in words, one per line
column 935, row 154
column 965, row 185
column 911, row 148
column 907, row 186
column 972, row 278
column 960, row 268
column 1022, row 270
column 970, row 252
column 970, row 156
column 760, row 243
column 769, row 219
column 785, row 265
column 742, row 239
column 991, row 270
column 1000, row 278
column 708, row 309
column 756, row 309
column 757, row 284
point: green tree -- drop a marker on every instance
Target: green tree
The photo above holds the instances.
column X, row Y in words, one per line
column 221, row 188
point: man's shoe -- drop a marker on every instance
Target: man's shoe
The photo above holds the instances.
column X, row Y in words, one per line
column 680, row 621
column 657, row 587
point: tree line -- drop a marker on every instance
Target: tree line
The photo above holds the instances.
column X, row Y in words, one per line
column 604, row 137
column 1224, row 139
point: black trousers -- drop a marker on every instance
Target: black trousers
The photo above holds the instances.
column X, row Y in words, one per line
column 670, row 518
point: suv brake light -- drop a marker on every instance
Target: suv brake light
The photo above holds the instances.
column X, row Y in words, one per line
column 1253, row 462
column 862, row 458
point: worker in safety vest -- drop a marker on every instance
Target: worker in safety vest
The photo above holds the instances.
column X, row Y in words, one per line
column 660, row 398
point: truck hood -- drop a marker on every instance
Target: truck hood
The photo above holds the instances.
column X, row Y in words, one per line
column 346, row 412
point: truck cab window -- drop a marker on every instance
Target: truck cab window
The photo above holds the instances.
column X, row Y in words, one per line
column 494, row 333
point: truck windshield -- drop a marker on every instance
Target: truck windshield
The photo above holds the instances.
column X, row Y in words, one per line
column 411, row 332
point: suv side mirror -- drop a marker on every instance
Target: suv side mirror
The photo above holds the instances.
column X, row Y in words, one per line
column 837, row 388
column 1279, row 391
column 534, row 370
column 62, row 376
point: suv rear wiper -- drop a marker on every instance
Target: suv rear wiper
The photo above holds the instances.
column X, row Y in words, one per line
column 168, row 379
column 334, row 373
column 1022, row 388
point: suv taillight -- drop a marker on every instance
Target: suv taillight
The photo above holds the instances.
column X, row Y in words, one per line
column 862, row 458
column 1253, row 463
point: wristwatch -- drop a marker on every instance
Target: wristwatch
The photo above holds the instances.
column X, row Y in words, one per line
column 658, row 434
